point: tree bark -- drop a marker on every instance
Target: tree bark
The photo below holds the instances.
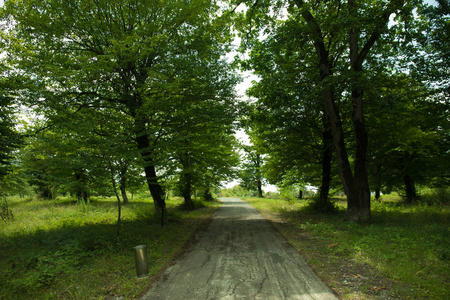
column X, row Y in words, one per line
column 186, row 181
column 259, row 185
column 155, row 188
column 123, row 184
column 377, row 193
column 358, row 203
column 119, row 206
column 356, row 185
column 327, row 144
column 124, row 194
column 187, row 186
column 410, row 188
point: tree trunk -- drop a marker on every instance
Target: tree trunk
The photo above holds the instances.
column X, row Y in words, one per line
column 358, row 204
column 80, row 181
column 186, row 186
column 155, row 188
column 123, row 183
column 186, row 180
column 327, row 144
column 410, row 188
column 259, row 185
column 377, row 193
column 124, row 194
column 356, row 185
column 119, row 206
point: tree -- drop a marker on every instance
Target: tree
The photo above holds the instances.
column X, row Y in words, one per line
column 251, row 173
column 137, row 58
column 342, row 35
column 289, row 123
column 408, row 107
column 407, row 147
column 205, row 153
column 10, row 139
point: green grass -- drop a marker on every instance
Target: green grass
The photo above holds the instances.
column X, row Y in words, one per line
column 403, row 252
column 64, row 249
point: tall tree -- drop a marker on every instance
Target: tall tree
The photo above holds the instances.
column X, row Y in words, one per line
column 289, row 122
column 204, row 151
column 408, row 105
column 251, row 174
column 134, row 57
column 10, row 139
column 342, row 35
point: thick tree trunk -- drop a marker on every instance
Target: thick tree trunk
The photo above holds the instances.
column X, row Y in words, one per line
column 155, row 188
column 150, row 173
column 187, row 186
column 356, row 185
column 358, row 204
column 410, row 188
column 259, row 185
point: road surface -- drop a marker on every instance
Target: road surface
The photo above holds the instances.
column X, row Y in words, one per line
column 239, row 256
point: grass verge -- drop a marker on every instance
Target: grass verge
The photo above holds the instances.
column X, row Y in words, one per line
column 64, row 249
column 403, row 254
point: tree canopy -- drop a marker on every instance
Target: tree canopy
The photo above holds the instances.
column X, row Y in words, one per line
column 127, row 91
column 146, row 62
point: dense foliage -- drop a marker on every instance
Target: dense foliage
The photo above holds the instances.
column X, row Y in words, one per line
column 127, row 93
column 123, row 88
column 369, row 79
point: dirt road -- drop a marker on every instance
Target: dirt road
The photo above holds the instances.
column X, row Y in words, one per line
column 239, row 256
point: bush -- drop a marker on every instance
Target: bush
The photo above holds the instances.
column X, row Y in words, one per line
column 5, row 212
column 316, row 204
column 436, row 197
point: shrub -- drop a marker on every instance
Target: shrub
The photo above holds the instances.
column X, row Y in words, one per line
column 436, row 197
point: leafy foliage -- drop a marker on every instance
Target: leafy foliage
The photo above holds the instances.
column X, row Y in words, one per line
column 131, row 73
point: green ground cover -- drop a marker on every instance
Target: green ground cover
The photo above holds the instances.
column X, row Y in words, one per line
column 404, row 253
column 66, row 249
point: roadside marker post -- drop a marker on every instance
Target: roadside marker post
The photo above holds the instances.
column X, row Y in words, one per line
column 140, row 254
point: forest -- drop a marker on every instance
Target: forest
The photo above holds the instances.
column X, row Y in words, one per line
column 127, row 111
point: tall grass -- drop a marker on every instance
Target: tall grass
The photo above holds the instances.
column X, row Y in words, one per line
column 66, row 249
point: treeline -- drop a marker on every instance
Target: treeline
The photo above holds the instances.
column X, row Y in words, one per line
column 350, row 97
column 118, row 95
